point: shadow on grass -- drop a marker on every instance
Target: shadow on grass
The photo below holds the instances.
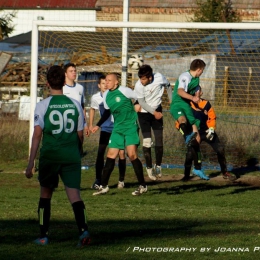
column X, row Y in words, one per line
column 120, row 231
column 252, row 166
column 244, row 170
column 174, row 187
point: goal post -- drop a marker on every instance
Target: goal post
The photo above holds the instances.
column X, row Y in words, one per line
column 230, row 50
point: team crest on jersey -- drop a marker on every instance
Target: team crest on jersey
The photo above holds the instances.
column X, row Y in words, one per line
column 118, row 99
column 36, row 117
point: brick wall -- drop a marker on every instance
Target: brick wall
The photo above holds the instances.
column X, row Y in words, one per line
column 159, row 14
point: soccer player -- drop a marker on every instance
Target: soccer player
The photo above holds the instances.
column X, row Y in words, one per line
column 184, row 90
column 207, row 116
column 74, row 90
column 118, row 100
column 105, row 133
column 59, row 124
column 149, row 90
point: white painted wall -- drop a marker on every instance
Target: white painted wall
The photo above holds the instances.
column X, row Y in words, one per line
column 23, row 19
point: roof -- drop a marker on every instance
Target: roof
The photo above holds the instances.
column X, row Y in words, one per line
column 244, row 42
column 149, row 3
column 21, row 39
column 92, row 4
column 48, row 4
column 238, row 4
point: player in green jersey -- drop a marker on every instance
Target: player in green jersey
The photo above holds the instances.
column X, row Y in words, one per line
column 184, row 90
column 118, row 101
column 58, row 123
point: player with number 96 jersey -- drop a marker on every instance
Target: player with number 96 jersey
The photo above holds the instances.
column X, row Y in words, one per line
column 60, row 117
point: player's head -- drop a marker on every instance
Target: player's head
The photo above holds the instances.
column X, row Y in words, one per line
column 197, row 66
column 102, row 83
column 56, row 77
column 112, row 81
column 145, row 74
column 70, row 71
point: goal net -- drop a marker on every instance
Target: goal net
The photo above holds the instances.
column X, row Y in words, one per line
column 230, row 81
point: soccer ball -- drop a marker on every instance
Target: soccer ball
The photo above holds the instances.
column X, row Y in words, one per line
column 135, row 61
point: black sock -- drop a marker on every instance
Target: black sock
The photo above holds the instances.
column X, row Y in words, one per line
column 44, row 214
column 158, row 155
column 188, row 161
column 196, row 155
column 184, row 129
column 108, row 168
column 122, row 169
column 138, row 168
column 187, row 170
column 148, row 156
column 80, row 216
column 100, row 161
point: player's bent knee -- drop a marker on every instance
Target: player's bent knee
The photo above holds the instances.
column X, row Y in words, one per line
column 147, row 142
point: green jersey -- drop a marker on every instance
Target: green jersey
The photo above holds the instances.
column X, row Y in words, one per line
column 121, row 107
column 186, row 82
column 60, row 118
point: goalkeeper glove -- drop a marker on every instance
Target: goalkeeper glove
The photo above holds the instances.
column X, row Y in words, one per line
column 210, row 133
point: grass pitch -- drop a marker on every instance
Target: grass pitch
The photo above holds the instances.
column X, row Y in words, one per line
column 214, row 219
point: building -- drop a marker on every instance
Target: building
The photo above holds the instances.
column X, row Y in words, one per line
column 104, row 10
column 168, row 10
column 54, row 10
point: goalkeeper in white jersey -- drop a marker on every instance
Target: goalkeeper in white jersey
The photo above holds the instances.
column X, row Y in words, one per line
column 118, row 102
column 149, row 90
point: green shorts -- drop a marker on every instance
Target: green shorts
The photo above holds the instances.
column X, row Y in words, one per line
column 184, row 109
column 50, row 171
column 121, row 140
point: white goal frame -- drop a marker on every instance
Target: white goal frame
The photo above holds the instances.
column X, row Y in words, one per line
column 37, row 24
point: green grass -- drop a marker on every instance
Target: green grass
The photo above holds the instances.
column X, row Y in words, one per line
column 172, row 216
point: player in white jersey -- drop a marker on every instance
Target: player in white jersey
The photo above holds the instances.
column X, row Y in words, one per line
column 58, row 124
column 149, row 90
column 74, row 90
column 105, row 133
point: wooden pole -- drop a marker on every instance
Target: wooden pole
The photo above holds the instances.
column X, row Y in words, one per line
column 248, row 86
column 225, row 87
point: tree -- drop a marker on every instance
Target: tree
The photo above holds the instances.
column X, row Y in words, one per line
column 216, row 11
column 5, row 25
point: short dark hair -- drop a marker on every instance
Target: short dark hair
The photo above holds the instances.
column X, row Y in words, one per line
column 117, row 75
column 56, row 77
column 70, row 64
column 145, row 71
column 197, row 64
column 100, row 78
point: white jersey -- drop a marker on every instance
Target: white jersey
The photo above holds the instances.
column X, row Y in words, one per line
column 97, row 103
column 152, row 93
column 76, row 92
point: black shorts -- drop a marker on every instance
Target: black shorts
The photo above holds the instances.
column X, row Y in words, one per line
column 147, row 122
